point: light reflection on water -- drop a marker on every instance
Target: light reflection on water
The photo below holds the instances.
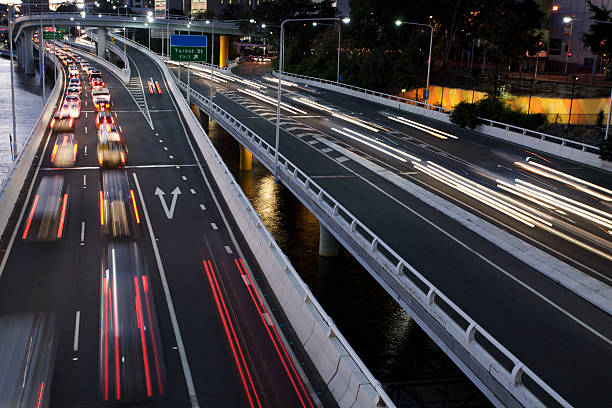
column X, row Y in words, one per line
column 28, row 105
column 381, row 332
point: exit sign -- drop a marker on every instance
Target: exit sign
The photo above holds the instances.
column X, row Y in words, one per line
column 188, row 48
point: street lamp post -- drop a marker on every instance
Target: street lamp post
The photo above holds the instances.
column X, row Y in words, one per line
column 572, row 101
column 399, row 23
column 212, row 71
column 568, row 20
column 11, row 12
column 280, row 75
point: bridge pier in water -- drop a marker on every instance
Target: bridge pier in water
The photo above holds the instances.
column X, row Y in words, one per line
column 30, row 68
column 246, row 158
column 196, row 111
column 328, row 244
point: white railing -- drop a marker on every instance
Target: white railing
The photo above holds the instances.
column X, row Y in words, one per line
column 465, row 330
column 369, row 92
column 273, row 253
column 17, row 175
column 126, row 71
column 542, row 136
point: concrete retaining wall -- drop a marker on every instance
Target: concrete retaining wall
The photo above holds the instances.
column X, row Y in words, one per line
column 345, row 374
column 14, row 182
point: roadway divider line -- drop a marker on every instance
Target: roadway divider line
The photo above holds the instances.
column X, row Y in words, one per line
column 175, row 326
column 77, row 325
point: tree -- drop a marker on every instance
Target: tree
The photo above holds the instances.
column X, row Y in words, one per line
column 508, row 28
column 599, row 37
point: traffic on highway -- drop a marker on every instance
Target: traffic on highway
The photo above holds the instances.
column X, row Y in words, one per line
column 87, row 268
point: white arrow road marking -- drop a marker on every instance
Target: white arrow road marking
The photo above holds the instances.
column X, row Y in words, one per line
column 175, row 193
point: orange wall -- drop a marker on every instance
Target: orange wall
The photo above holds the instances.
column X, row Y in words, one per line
column 549, row 106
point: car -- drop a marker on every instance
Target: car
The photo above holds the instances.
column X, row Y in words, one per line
column 85, row 66
column 64, row 150
column 118, row 211
column 97, row 82
column 111, row 146
column 101, row 98
column 104, row 117
column 75, row 83
column 48, row 212
column 62, row 122
column 154, row 87
column 73, row 73
column 125, row 290
column 73, row 108
column 73, row 90
column 89, row 70
column 94, row 74
column 73, row 98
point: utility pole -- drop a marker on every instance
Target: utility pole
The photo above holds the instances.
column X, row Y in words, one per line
column 11, row 11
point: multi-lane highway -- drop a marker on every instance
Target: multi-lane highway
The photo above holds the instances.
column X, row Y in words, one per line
column 166, row 310
column 350, row 146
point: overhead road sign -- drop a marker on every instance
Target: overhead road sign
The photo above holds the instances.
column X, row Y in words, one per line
column 188, row 47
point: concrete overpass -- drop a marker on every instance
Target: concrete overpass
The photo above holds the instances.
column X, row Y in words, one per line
column 26, row 25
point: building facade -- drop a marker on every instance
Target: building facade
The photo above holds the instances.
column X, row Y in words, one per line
column 568, row 21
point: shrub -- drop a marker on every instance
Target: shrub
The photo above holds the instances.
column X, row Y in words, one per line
column 464, row 115
column 467, row 114
column 600, row 118
column 605, row 150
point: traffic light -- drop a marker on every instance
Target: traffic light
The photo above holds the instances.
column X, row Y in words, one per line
column 569, row 54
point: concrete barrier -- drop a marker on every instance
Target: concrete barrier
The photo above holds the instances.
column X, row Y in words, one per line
column 345, row 374
column 122, row 74
column 17, row 175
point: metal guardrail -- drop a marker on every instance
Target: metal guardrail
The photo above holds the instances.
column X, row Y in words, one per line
column 509, row 371
column 370, row 92
column 271, row 242
column 542, row 136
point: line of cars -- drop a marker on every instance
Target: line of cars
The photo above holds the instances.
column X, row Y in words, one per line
column 131, row 361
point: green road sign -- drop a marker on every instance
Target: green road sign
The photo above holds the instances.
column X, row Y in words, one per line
column 188, row 53
column 188, row 47
column 53, row 36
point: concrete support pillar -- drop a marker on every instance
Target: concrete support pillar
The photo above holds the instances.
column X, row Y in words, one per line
column 30, row 68
column 246, row 159
column 134, row 37
column 102, row 42
column 196, row 110
column 328, row 244
column 223, row 50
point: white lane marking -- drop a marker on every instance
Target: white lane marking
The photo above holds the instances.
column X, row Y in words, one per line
column 165, row 148
column 85, row 150
column 175, row 193
column 161, row 141
column 184, row 178
column 120, row 128
column 82, row 232
column 214, row 226
column 246, row 280
column 85, row 112
column 228, row 249
column 171, row 156
column 77, row 324
column 84, row 180
column 115, row 114
column 177, row 333
column 203, row 207
column 192, row 191
column 85, row 129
